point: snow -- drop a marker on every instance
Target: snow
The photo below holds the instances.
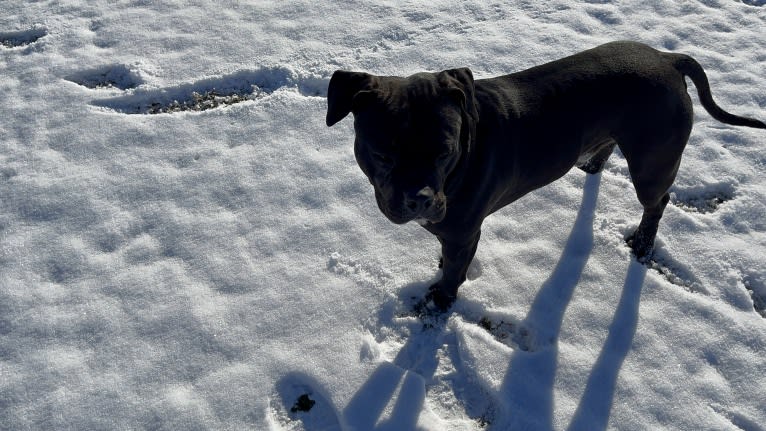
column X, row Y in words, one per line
column 185, row 245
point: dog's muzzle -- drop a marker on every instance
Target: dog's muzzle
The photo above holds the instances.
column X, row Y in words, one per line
column 419, row 202
column 424, row 205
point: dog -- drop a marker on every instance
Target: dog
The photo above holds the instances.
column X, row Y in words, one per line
column 446, row 151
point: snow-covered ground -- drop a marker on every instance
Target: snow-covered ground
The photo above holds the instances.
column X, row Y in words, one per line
column 185, row 245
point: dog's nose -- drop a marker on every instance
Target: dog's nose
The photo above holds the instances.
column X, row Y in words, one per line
column 419, row 201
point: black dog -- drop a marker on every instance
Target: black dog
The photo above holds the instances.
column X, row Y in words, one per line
column 446, row 151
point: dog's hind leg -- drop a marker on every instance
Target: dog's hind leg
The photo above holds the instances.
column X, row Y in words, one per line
column 652, row 171
column 642, row 240
column 597, row 161
column 652, row 146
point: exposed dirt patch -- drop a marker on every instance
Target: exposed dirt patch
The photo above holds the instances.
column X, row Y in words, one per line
column 303, row 404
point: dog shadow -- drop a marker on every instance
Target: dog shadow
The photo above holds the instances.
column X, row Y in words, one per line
column 393, row 397
column 402, row 382
column 596, row 402
column 529, row 382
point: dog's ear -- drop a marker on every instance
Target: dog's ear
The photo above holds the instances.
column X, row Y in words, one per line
column 461, row 87
column 343, row 88
column 462, row 74
column 460, row 84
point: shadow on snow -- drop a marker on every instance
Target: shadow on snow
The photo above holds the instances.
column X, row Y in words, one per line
column 525, row 398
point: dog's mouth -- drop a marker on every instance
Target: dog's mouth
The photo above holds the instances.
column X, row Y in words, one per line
column 430, row 218
column 398, row 213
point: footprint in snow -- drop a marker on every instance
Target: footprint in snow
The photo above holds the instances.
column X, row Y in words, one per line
column 116, row 76
column 23, row 38
column 738, row 419
column 360, row 272
column 756, row 287
column 213, row 93
column 299, row 398
column 671, row 270
column 702, row 202
column 512, row 334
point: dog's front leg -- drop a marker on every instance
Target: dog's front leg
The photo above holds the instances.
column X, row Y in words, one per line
column 457, row 254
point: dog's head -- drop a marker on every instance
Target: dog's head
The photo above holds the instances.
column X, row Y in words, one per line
column 411, row 135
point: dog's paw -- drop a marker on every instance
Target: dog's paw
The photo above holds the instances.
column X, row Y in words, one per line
column 434, row 305
column 428, row 311
column 641, row 248
column 439, row 298
column 591, row 168
column 596, row 162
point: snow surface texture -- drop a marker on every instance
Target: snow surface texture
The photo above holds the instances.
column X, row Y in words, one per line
column 222, row 263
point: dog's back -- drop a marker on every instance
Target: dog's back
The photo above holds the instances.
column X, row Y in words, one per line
column 573, row 111
column 617, row 71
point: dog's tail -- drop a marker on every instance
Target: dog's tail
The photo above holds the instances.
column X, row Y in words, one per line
column 689, row 67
